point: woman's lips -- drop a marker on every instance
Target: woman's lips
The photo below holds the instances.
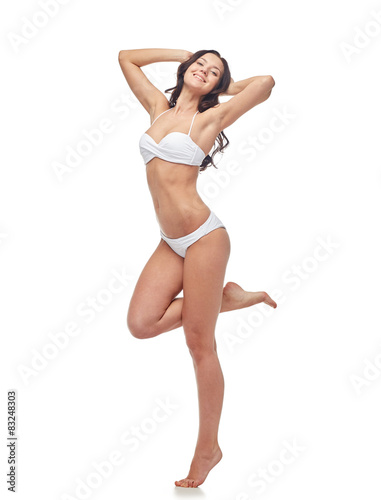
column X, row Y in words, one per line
column 199, row 78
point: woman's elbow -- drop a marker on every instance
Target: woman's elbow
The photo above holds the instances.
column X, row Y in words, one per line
column 270, row 81
column 122, row 54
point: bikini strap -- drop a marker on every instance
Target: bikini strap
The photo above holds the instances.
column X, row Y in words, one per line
column 192, row 122
column 160, row 115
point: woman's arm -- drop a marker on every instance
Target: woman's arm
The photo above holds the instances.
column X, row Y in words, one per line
column 255, row 92
column 130, row 62
column 236, row 87
column 142, row 57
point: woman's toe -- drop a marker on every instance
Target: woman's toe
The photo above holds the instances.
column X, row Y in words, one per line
column 187, row 483
column 180, row 483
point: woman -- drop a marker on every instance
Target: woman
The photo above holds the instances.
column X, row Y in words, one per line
column 194, row 248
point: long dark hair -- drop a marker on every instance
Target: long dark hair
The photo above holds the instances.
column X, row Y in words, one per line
column 207, row 101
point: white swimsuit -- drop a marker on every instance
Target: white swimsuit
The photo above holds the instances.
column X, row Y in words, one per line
column 178, row 147
column 175, row 147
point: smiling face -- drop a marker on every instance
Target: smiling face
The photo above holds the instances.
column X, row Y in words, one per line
column 204, row 74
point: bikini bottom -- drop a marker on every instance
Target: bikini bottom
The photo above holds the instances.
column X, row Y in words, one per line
column 180, row 245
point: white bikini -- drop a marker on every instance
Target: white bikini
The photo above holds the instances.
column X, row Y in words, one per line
column 178, row 147
column 175, row 147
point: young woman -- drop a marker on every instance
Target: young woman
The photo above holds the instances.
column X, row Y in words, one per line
column 194, row 248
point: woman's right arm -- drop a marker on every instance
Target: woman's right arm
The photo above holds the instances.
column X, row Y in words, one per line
column 142, row 57
column 130, row 62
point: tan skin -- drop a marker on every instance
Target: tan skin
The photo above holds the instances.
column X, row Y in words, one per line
column 154, row 307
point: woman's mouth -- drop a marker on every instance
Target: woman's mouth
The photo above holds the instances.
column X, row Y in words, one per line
column 199, row 78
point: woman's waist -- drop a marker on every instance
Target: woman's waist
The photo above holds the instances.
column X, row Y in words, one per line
column 179, row 219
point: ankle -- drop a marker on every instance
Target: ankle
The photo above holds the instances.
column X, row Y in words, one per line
column 207, row 451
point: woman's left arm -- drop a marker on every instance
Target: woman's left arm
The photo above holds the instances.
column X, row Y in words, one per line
column 249, row 93
column 236, row 87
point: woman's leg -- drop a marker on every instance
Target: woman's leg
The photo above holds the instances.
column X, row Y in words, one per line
column 204, row 271
column 159, row 282
column 154, row 307
column 233, row 297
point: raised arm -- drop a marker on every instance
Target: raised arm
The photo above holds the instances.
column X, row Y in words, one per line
column 131, row 61
column 247, row 94
column 236, row 87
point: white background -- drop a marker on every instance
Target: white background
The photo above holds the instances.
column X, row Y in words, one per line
column 301, row 374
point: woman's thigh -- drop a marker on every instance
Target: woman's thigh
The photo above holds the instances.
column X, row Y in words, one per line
column 160, row 281
column 203, row 280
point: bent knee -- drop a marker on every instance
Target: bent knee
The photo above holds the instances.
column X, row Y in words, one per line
column 138, row 327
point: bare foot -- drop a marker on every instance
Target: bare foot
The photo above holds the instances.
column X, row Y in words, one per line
column 199, row 469
column 235, row 297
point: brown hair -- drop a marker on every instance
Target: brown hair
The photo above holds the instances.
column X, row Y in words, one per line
column 207, row 101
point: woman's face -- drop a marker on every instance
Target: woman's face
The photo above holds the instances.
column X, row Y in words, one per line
column 205, row 73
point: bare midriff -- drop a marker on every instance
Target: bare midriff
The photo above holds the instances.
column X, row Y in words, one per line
column 178, row 206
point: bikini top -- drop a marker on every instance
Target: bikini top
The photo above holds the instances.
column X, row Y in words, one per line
column 176, row 147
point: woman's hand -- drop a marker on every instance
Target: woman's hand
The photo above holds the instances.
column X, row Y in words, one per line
column 230, row 90
column 186, row 55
